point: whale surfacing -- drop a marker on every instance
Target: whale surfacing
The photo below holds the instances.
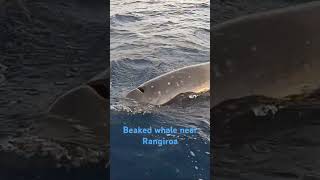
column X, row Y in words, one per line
column 160, row 90
column 274, row 54
column 84, row 105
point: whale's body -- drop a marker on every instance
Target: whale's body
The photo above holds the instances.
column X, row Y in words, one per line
column 85, row 106
column 160, row 90
column 274, row 54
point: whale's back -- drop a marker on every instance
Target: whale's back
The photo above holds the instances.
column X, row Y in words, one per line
column 273, row 54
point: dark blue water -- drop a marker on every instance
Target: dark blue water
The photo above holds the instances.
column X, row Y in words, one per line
column 149, row 38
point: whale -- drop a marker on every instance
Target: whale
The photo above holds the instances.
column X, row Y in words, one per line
column 161, row 89
column 89, row 96
column 80, row 115
column 274, row 54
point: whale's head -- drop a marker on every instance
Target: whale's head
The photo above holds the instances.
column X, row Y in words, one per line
column 152, row 92
column 140, row 94
column 160, row 90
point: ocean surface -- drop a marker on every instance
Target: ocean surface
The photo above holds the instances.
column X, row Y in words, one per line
column 47, row 49
column 149, row 38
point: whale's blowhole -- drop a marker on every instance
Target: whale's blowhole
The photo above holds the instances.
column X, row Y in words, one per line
column 141, row 89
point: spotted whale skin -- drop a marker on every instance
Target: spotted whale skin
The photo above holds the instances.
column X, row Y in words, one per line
column 160, row 90
column 274, row 54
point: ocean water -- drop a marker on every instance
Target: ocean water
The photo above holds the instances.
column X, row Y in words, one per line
column 149, row 38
